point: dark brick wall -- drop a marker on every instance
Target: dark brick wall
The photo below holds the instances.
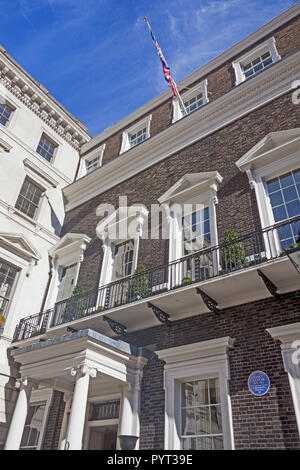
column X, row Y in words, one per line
column 237, row 207
column 266, row 422
column 54, row 422
column 220, row 80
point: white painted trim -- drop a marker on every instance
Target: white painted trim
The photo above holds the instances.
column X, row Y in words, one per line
column 37, row 397
column 34, row 171
column 191, row 362
column 289, row 336
column 201, row 189
column 145, row 123
column 266, row 46
column 240, row 101
column 98, row 151
column 275, row 154
column 200, row 87
column 69, row 250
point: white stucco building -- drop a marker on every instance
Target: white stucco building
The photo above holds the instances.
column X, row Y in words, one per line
column 39, row 144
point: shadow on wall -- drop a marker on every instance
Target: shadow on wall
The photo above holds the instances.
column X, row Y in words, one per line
column 55, row 222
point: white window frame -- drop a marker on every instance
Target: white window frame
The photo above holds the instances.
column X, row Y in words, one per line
column 202, row 189
column 196, row 361
column 266, row 46
column 53, row 141
column 8, row 103
column 42, row 186
column 23, row 259
column 136, row 216
column 38, row 397
column 273, row 156
column 69, row 250
column 145, row 123
column 98, row 152
column 289, row 336
column 200, row 88
column 114, row 221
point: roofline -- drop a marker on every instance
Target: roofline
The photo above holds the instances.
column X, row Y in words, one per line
column 43, row 89
column 197, row 75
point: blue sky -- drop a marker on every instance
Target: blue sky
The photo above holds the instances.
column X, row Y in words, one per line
column 97, row 58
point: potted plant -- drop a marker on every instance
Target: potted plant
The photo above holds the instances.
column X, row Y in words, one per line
column 139, row 284
column 233, row 256
column 186, row 280
column 2, row 322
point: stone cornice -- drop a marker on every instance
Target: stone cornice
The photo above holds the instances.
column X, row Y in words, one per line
column 238, row 102
column 40, row 102
column 202, row 349
column 199, row 74
column 4, row 146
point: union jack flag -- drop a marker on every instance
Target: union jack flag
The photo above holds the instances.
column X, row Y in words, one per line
column 165, row 67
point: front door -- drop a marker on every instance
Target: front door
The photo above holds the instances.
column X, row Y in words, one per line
column 103, row 437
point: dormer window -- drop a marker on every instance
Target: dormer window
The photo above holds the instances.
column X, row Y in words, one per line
column 137, row 138
column 256, row 60
column 193, row 103
column 91, row 161
column 136, row 134
column 257, row 64
column 192, row 99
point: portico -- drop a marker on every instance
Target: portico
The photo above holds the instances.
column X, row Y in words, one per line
column 88, row 367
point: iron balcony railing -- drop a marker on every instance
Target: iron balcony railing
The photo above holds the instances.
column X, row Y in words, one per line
column 240, row 253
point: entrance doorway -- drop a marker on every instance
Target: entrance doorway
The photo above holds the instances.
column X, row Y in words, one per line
column 103, row 437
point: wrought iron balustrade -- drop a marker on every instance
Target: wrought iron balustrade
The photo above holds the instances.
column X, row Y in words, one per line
column 248, row 250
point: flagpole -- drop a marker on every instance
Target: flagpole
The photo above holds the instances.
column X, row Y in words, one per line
column 173, row 83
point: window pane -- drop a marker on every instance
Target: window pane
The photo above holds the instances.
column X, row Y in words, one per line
column 286, row 180
column 218, row 443
column 33, row 426
column 201, row 393
column 202, row 420
column 29, row 198
column 188, row 421
column 279, row 213
column 293, row 208
column 216, row 420
column 276, row 198
column 202, row 416
column 204, row 443
column 187, row 394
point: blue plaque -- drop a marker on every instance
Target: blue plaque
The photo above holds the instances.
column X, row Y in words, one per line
column 258, row 383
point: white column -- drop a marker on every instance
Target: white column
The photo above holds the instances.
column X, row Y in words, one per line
column 13, row 440
column 63, row 432
column 291, row 363
column 130, row 411
column 77, row 416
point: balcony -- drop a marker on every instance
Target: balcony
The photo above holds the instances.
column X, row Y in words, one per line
column 246, row 269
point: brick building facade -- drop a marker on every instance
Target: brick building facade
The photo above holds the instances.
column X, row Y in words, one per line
column 170, row 333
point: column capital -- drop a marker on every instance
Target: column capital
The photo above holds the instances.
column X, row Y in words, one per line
column 83, row 369
column 26, row 382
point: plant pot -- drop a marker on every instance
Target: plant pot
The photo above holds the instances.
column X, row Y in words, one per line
column 1, row 330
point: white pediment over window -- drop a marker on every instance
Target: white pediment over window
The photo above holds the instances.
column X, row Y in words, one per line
column 190, row 185
column 121, row 220
column 70, row 248
column 20, row 246
column 4, row 146
column 274, row 149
